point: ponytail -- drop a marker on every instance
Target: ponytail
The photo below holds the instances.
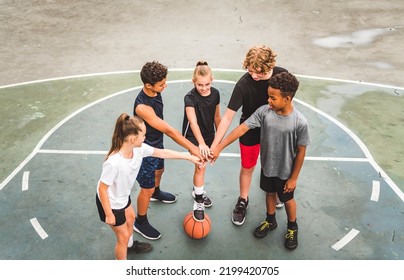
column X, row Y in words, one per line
column 125, row 125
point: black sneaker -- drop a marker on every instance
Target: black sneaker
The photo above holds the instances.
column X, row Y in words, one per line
column 262, row 230
column 291, row 239
column 146, row 230
column 199, row 211
column 140, row 247
column 163, row 196
column 206, row 200
column 239, row 212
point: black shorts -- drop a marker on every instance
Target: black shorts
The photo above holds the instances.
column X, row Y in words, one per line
column 275, row 185
column 119, row 214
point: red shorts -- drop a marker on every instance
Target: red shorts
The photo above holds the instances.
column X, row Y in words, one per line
column 249, row 155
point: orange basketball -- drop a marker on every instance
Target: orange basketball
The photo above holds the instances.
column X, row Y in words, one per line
column 195, row 229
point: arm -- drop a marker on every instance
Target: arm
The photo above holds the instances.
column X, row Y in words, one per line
column 109, row 216
column 193, row 123
column 217, row 117
column 297, row 166
column 170, row 154
column 223, row 126
column 235, row 134
column 149, row 116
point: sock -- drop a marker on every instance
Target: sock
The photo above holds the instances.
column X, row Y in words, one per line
column 141, row 219
column 130, row 243
column 292, row 225
column 198, row 193
column 270, row 218
column 156, row 190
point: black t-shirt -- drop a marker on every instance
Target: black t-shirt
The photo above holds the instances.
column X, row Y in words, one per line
column 250, row 95
column 154, row 137
column 205, row 108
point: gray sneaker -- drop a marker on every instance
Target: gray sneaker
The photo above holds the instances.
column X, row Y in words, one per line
column 239, row 212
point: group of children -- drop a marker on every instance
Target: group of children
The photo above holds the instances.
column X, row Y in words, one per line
column 269, row 125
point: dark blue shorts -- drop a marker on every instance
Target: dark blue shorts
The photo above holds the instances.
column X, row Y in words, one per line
column 146, row 176
column 275, row 185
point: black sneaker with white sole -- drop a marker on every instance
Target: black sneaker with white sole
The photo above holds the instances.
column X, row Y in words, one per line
column 240, row 211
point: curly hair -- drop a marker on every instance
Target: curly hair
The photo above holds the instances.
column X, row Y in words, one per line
column 285, row 82
column 261, row 58
column 153, row 72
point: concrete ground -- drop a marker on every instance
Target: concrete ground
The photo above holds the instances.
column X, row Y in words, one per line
column 349, row 40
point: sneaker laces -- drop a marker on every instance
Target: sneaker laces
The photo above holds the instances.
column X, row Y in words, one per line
column 264, row 224
column 199, row 206
column 291, row 234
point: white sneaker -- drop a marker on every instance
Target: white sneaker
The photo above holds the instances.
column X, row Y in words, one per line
column 279, row 204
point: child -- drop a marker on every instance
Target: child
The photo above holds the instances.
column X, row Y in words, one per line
column 149, row 106
column 284, row 139
column 250, row 92
column 201, row 117
column 119, row 173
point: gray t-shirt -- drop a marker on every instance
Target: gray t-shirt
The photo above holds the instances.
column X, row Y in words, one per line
column 280, row 136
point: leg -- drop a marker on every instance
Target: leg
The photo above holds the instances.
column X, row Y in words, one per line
column 143, row 200
column 249, row 157
column 245, row 179
column 158, row 194
column 122, row 238
column 199, row 202
column 136, row 246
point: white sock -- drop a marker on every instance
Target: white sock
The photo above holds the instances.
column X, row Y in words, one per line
column 198, row 190
column 130, row 243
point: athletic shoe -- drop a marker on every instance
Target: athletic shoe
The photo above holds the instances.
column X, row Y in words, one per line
column 291, row 239
column 163, row 196
column 199, row 211
column 279, row 204
column 140, row 247
column 206, row 200
column 262, row 230
column 239, row 212
column 146, row 230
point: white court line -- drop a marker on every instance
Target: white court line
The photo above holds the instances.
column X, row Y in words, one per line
column 191, row 69
column 345, row 240
column 375, row 191
column 72, row 152
column 87, row 152
column 395, row 188
column 25, row 180
column 38, row 228
column 50, row 132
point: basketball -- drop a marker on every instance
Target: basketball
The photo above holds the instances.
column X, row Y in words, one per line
column 195, row 229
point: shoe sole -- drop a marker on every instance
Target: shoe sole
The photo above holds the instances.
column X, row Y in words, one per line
column 291, row 248
column 236, row 222
column 197, row 219
column 164, row 201
column 279, row 205
column 144, row 235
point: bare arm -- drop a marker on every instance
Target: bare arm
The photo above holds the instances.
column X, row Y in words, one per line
column 148, row 115
column 193, row 123
column 235, row 134
column 217, row 117
column 297, row 166
column 223, row 126
column 109, row 216
column 170, row 154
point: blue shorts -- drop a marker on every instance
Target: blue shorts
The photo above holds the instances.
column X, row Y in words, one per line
column 146, row 176
column 275, row 185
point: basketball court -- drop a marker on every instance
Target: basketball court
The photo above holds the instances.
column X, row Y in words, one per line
column 348, row 208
